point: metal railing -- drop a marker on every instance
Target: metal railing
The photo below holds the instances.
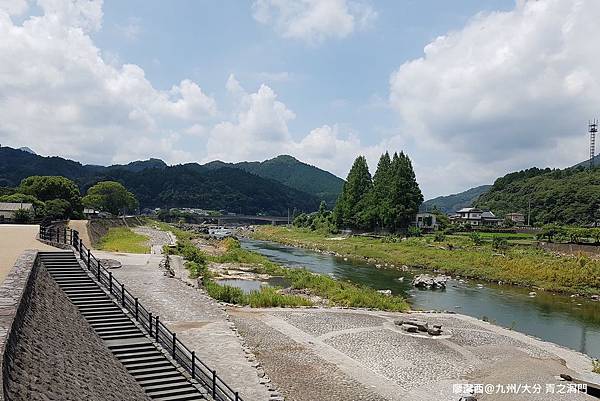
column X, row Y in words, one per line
column 197, row 369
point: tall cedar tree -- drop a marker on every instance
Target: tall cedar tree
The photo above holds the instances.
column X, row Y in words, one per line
column 390, row 201
column 380, row 202
column 352, row 209
column 406, row 196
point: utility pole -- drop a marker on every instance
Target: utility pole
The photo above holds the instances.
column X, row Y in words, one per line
column 288, row 216
column 529, row 214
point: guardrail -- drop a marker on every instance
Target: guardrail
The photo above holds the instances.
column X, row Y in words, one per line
column 197, row 369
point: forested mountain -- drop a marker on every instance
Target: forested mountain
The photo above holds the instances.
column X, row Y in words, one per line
column 569, row 196
column 454, row 202
column 157, row 185
column 295, row 174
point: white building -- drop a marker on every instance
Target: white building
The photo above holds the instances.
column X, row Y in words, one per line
column 476, row 217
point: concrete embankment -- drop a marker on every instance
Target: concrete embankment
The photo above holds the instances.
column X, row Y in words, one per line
column 49, row 352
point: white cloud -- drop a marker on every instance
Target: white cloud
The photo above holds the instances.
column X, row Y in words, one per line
column 509, row 90
column 14, row 7
column 60, row 96
column 132, row 30
column 260, row 130
column 314, row 21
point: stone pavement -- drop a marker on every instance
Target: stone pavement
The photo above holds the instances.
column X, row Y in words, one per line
column 341, row 354
column 199, row 321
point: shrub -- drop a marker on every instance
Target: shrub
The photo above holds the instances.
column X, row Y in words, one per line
column 439, row 237
column 499, row 243
column 414, row 231
column 225, row 293
column 22, row 216
column 476, row 238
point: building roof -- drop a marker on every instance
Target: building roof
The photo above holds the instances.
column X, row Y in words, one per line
column 515, row 214
column 488, row 215
column 14, row 206
column 469, row 209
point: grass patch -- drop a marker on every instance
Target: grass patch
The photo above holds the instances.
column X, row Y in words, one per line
column 266, row 297
column 122, row 239
column 596, row 366
column 521, row 265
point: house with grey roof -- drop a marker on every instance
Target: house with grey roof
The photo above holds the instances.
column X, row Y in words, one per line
column 8, row 209
column 476, row 217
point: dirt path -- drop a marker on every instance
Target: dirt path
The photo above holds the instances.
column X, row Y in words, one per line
column 14, row 239
column 81, row 226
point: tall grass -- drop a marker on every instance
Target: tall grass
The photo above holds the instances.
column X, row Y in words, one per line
column 521, row 265
column 122, row 239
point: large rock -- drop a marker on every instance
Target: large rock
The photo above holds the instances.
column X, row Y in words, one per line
column 429, row 281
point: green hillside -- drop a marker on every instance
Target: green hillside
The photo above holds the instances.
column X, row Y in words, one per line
column 295, row 174
column 454, row 202
column 569, row 196
column 157, row 185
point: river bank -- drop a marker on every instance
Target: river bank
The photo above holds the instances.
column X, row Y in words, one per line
column 517, row 265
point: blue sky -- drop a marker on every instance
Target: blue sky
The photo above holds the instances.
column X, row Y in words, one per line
column 470, row 89
column 343, row 81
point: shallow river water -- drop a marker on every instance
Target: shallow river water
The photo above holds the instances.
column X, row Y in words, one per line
column 572, row 322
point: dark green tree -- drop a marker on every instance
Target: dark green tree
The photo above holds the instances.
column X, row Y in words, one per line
column 47, row 188
column 406, row 196
column 110, row 196
column 352, row 209
column 380, row 197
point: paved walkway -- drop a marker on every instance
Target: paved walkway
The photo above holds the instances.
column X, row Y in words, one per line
column 81, row 226
column 198, row 321
column 14, row 239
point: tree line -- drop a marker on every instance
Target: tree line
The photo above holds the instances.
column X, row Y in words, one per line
column 389, row 200
column 57, row 197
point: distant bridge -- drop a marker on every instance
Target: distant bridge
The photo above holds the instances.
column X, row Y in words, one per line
column 274, row 220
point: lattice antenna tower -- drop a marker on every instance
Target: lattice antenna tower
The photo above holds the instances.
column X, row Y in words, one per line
column 593, row 129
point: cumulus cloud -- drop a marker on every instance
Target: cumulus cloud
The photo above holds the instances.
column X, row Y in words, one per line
column 314, row 21
column 60, row 96
column 260, row 130
column 14, row 7
column 509, row 90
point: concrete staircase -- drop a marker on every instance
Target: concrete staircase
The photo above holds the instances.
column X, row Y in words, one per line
column 142, row 358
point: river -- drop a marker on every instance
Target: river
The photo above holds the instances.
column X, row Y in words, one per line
column 572, row 322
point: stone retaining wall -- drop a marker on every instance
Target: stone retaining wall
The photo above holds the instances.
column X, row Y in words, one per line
column 14, row 301
column 49, row 351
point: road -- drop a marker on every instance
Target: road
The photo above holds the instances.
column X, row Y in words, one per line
column 14, row 239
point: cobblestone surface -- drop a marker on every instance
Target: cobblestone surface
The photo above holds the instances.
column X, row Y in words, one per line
column 312, row 322
column 59, row 357
column 399, row 357
column 299, row 373
column 394, row 365
column 198, row 320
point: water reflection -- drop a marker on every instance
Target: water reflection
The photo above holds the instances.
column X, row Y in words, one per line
column 572, row 322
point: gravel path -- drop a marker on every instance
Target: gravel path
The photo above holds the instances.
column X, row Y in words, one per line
column 59, row 357
column 158, row 238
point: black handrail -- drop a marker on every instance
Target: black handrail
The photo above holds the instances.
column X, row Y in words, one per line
column 197, row 369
